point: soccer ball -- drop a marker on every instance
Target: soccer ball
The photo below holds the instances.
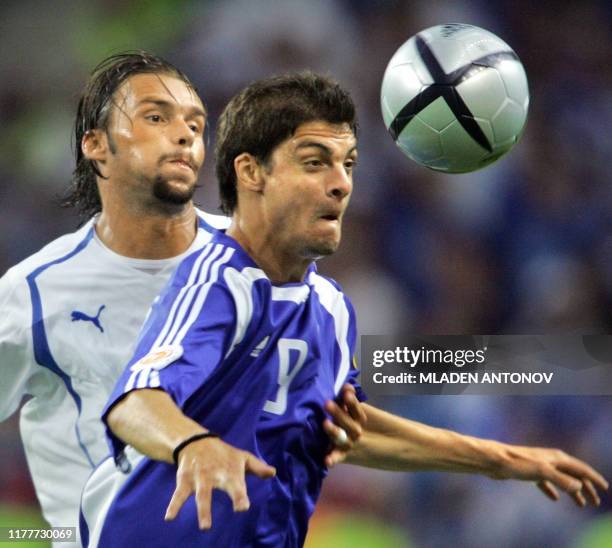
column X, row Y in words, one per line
column 455, row 97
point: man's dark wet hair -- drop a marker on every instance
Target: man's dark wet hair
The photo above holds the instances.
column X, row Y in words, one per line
column 93, row 113
column 269, row 111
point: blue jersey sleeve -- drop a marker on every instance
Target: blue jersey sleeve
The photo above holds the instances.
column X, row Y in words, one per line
column 183, row 341
column 353, row 378
column 353, row 374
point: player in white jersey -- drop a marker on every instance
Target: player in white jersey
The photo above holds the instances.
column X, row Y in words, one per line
column 70, row 314
column 242, row 349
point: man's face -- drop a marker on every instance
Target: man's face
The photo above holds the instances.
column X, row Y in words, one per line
column 155, row 133
column 309, row 181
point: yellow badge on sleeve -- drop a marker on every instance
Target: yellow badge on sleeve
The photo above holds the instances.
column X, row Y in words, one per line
column 159, row 358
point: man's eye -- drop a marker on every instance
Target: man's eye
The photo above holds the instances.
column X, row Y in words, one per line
column 154, row 118
column 314, row 163
column 195, row 128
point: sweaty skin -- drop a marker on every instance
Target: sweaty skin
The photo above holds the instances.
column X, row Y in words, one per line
column 154, row 144
column 313, row 172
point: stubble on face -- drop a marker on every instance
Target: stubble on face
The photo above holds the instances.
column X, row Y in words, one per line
column 169, row 194
column 314, row 198
column 155, row 187
column 320, row 249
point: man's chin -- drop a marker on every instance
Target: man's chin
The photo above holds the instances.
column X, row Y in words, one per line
column 172, row 193
column 322, row 249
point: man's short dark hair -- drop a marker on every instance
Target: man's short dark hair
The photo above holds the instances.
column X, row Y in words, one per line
column 93, row 113
column 269, row 111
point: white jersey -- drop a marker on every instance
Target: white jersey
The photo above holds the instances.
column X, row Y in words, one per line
column 70, row 316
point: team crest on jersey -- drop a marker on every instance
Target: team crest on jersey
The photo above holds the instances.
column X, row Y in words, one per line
column 159, row 358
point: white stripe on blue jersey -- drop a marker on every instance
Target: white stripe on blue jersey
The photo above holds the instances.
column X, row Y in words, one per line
column 333, row 301
column 201, row 296
column 240, row 285
column 198, row 274
column 297, row 294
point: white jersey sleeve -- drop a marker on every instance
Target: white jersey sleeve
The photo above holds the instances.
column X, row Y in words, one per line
column 16, row 362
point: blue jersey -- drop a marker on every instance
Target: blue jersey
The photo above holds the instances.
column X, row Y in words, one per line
column 253, row 362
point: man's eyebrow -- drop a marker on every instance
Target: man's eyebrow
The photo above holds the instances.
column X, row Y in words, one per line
column 194, row 110
column 326, row 150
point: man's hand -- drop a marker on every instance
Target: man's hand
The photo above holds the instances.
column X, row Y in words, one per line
column 551, row 469
column 349, row 418
column 209, row 464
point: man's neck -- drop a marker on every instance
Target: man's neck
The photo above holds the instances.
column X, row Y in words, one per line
column 280, row 268
column 147, row 236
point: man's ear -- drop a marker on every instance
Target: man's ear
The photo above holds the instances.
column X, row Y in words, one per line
column 248, row 172
column 94, row 145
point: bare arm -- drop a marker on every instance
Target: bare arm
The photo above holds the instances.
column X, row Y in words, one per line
column 151, row 422
column 392, row 443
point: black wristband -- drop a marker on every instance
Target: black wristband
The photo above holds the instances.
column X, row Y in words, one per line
column 185, row 443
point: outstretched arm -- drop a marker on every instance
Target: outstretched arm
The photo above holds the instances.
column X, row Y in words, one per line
column 151, row 422
column 389, row 442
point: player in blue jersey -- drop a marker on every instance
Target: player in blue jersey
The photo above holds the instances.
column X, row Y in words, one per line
column 247, row 343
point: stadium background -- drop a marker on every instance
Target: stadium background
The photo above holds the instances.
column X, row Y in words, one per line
column 524, row 246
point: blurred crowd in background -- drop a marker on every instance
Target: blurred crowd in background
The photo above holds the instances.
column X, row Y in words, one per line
column 525, row 246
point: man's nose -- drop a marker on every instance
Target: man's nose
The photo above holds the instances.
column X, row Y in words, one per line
column 183, row 134
column 340, row 183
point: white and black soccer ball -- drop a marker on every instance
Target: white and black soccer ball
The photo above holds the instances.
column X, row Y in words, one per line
column 455, row 98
